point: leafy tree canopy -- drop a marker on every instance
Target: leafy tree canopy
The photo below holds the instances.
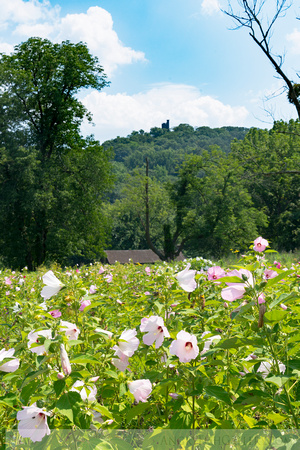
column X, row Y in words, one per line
column 39, row 82
column 166, row 149
column 271, row 163
column 52, row 180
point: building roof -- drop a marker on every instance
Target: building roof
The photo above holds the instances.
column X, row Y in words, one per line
column 136, row 256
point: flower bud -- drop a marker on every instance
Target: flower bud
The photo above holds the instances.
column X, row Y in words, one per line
column 60, row 375
column 65, row 363
column 94, row 379
column 262, row 310
column 203, row 302
column 174, row 395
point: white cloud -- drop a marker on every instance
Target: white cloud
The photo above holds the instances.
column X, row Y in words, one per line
column 95, row 28
column 42, row 30
column 294, row 39
column 210, row 7
column 120, row 114
column 6, row 48
column 20, row 11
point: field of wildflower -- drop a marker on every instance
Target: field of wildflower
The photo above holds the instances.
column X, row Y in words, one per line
column 131, row 356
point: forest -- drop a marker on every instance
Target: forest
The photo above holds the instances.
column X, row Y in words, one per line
column 66, row 198
column 204, row 186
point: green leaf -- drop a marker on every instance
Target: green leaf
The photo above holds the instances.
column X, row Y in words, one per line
column 159, row 306
column 238, row 315
column 112, row 374
column 59, row 386
column 251, row 398
column 80, row 375
column 97, row 444
column 9, row 399
column 29, row 389
column 237, row 342
column 186, row 407
column 281, row 276
column 73, row 342
column 234, row 342
column 181, row 420
column 275, row 315
column 85, row 359
column 284, row 298
column 250, row 421
column 294, row 350
column 277, row 418
column 47, row 343
column 278, row 380
column 119, row 444
column 103, row 410
column 32, row 375
column 219, row 393
column 136, row 410
column 67, row 404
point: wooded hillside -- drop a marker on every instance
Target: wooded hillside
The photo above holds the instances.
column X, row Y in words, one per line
column 208, row 190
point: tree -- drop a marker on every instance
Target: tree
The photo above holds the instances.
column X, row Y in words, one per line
column 271, row 160
column 140, row 216
column 52, row 180
column 216, row 210
column 41, row 80
column 251, row 16
column 171, row 246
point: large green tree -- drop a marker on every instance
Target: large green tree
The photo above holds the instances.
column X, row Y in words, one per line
column 39, row 83
column 271, row 172
column 215, row 212
column 52, row 180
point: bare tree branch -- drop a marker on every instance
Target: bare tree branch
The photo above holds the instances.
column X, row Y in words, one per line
column 260, row 30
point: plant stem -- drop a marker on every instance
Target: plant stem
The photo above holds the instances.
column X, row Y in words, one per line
column 284, row 387
column 167, row 399
column 74, row 438
column 193, row 403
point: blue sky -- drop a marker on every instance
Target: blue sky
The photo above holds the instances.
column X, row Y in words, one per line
column 165, row 59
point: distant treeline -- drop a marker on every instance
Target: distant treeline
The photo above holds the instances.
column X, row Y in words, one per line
column 209, row 190
column 166, row 149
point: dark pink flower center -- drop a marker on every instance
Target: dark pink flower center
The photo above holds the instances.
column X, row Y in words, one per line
column 160, row 329
column 215, row 277
column 39, row 414
column 188, row 346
